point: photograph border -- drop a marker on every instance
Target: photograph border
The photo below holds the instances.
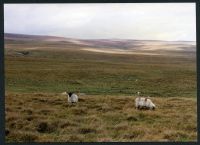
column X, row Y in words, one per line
column 2, row 65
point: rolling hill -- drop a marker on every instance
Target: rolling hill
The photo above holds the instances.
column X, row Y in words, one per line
column 109, row 72
column 113, row 46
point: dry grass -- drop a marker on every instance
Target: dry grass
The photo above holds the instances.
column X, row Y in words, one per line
column 49, row 118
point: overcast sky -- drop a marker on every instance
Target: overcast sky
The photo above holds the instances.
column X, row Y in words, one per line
column 174, row 21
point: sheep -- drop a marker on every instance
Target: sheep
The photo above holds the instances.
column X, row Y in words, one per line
column 144, row 103
column 72, row 97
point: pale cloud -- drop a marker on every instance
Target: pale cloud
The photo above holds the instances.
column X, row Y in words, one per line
column 163, row 21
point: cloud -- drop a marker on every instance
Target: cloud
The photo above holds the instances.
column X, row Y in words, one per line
column 163, row 21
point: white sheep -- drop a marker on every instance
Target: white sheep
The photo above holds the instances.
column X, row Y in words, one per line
column 72, row 97
column 144, row 103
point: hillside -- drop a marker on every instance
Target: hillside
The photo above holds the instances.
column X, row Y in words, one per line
column 113, row 46
column 95, row 72
column 108, row 74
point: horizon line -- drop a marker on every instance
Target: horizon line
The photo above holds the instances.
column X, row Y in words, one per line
column 100, row 38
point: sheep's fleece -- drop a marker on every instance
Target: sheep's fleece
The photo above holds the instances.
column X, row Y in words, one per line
column 142, row 102
column 73, row 98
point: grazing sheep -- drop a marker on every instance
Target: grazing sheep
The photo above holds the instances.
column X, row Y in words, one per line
column 72, row 97
column 144, row 103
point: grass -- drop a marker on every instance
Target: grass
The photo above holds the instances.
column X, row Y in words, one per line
column 36, row 112
column 151, row 76
column 48, row 117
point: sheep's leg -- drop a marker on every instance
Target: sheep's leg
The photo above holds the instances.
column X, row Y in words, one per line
column 73, row 103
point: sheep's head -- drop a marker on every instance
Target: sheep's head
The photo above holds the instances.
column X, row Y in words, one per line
column 153, row 107
column 70, row 93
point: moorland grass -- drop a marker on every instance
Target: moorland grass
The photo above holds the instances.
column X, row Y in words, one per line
column 48, row 117
column 36, row 112
column 165, row 78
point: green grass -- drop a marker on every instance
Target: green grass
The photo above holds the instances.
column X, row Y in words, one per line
column 29, row 74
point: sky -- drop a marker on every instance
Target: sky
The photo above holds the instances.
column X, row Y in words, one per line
column 142, row 21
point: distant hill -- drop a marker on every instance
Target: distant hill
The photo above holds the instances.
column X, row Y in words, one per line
column 119, row 46
column 10, row 36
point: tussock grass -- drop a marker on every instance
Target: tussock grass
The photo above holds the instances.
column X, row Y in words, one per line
column 98, row 118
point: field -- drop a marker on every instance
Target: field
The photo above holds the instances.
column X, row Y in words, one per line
column 37, row 112
column 49, row 118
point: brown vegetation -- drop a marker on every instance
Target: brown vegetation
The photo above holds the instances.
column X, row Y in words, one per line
column 49, row 118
